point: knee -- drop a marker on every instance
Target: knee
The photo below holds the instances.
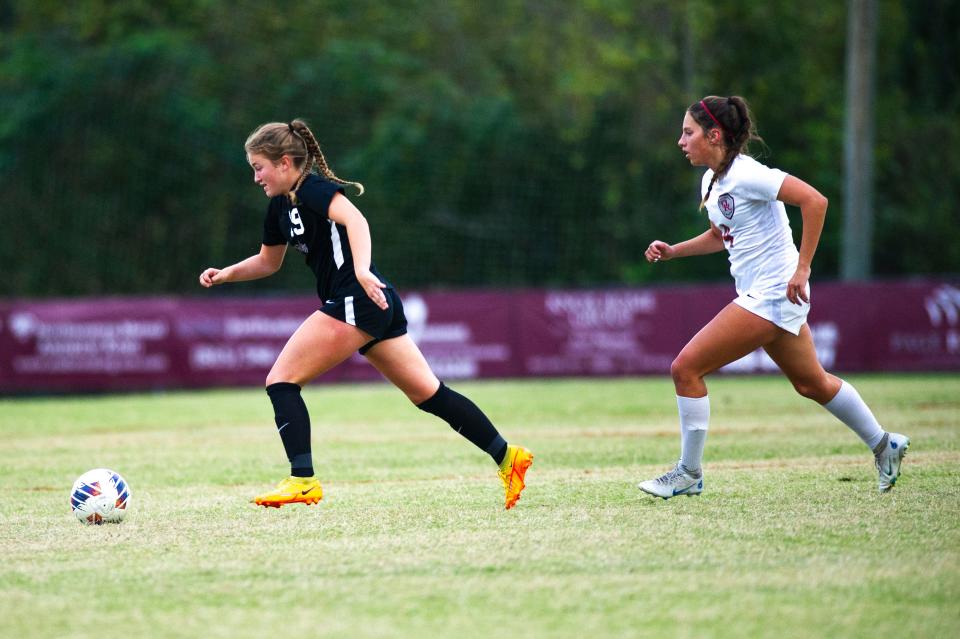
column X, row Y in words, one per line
column 804, row 389
column 816, row 390
column 681, row 371
column 285, row 372
column 423, row 392
column 276, row 377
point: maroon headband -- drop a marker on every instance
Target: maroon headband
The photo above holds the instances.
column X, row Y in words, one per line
column 704, row 105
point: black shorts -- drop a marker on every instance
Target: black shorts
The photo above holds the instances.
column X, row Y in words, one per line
column 357, row 309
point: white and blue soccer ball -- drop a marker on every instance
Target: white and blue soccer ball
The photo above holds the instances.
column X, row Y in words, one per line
column 100, row 495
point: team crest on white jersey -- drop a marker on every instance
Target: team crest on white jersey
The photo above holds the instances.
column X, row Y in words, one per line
column 726, row 204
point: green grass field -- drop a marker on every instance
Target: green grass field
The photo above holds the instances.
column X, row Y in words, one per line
column 790, row 538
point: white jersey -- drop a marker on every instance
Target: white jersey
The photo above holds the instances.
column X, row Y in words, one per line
column 756, row 232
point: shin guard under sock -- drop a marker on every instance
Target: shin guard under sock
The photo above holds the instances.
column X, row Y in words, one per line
column 849, row 407
column 293, row 424
column 694, row 421
column 467, row 419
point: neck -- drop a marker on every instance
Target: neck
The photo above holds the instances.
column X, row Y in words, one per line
column 299, row 180
column 716, row 159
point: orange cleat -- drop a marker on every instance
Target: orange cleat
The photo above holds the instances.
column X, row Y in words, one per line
column 512, row 469
column 292, row 490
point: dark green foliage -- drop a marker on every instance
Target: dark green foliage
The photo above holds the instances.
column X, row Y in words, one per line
column 515, row 143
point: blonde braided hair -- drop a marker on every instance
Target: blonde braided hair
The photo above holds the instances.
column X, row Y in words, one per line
column 276, row 139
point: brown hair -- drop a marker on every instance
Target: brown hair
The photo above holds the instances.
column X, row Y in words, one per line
column 732, row 116
column 276, row 139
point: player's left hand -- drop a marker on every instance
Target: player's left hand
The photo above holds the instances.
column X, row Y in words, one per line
column 797, row 286
column 373, row 287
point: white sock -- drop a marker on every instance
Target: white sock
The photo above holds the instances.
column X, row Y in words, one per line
column 849, row 408
column 694, row 419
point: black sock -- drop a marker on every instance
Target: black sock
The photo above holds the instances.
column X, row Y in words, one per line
column 468, row 420
column 293, row 424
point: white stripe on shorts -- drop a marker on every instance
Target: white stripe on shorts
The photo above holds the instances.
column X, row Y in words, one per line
column 348, row 316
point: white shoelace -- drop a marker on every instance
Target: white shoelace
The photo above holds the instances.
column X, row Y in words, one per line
column 667, row 477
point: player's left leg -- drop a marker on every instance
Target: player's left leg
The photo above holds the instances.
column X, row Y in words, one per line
column 400, row 361
column 796, row 356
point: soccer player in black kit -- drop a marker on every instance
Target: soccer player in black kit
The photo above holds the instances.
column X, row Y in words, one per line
column 360, row 309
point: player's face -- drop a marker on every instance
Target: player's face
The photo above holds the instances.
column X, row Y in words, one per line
column 694, row 142
column 276, row 179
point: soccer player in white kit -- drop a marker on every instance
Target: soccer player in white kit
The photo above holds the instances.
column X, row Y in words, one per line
column 744, row 201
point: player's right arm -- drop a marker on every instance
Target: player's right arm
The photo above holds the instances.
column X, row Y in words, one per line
column 263, row 264
column 710, row 241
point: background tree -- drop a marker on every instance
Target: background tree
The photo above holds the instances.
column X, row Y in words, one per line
column 511, row 143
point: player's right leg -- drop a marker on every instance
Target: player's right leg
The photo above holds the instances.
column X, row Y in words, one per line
column 887, row 458
column 732, row 334
column 319, row 344
column 796, row 356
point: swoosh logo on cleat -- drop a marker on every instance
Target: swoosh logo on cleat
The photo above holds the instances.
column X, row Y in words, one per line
column 680, row 492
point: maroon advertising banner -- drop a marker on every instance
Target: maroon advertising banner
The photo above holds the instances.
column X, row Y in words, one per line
column 148, row 343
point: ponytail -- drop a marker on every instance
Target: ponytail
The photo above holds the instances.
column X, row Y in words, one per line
column 315, row 157
column 733, row 118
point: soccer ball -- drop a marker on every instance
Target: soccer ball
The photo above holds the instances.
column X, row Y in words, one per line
column 99, row 496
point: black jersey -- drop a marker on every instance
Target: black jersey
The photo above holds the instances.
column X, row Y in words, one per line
column 308, row 229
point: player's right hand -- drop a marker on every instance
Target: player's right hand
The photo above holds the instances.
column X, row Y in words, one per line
column 210, row 277
column 658, row 252
column 373, row 287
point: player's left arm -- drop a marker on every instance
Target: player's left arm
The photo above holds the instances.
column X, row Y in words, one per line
column 813, row 210
column 342, row 211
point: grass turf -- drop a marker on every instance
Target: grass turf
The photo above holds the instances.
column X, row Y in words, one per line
column 789, row 539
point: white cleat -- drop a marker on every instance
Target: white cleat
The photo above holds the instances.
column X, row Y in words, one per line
column 673, row 483
column 888, row 461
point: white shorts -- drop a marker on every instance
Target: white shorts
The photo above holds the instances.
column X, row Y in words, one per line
column 773, row 305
